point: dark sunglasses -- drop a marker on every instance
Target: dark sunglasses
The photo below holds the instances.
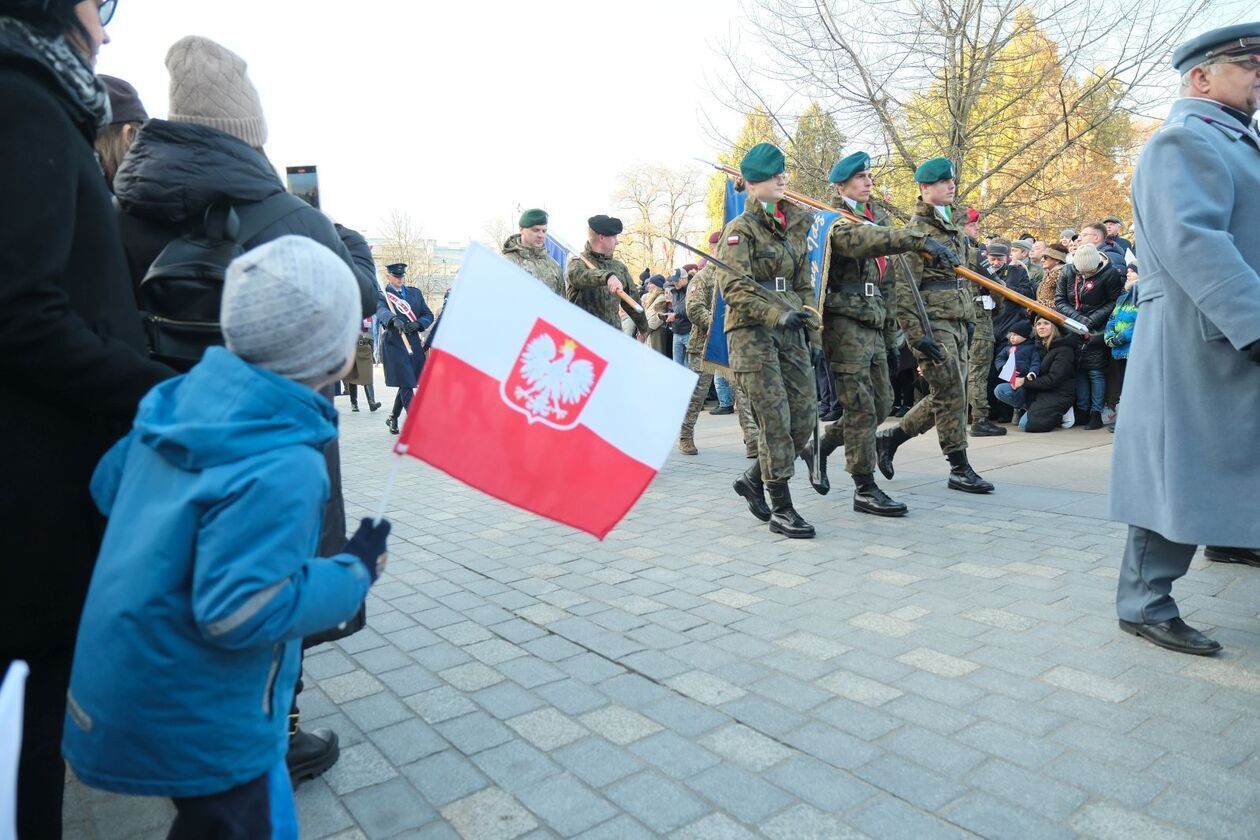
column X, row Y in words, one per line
column 106, row 11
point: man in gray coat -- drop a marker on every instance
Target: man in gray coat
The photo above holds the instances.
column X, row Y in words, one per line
column 1186, row 463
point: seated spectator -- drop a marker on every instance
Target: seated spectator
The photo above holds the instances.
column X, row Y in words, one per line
column 1052, row 390
column 1119, row 331
column 1088, row 296
column 74, row 363
column 191, row 639
column 1027, row 360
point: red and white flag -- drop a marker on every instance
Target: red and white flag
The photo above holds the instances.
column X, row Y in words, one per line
column 526, row 397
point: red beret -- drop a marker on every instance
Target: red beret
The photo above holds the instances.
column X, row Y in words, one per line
column 973, row 215
column 715, row 237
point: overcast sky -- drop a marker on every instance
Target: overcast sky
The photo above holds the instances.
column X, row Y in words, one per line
column 453, row 111
column 457, row 112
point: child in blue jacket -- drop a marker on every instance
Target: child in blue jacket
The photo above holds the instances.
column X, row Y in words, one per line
column 1027, row 361
column 207, row 579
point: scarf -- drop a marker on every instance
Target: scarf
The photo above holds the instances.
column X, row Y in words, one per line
column 73, row 72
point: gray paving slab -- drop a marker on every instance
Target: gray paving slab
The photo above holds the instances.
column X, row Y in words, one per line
column 956, row 673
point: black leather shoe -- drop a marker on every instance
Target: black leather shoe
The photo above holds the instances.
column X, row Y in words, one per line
column 311, row 753
column 886, row 443
column 722, row 409
column 900, row 411
column 750, row 487
column 1095, row 421
column 391, row 423
column 372, row 406
column 354, row 406
column 832, row 416
column 783, row 517
column 1173, row 634
column 868, row 498
column 984, row 427
column 1221, row 554
column 963, row 477
column 823, row 485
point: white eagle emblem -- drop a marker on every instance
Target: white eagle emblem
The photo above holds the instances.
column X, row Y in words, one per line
column 551, row 382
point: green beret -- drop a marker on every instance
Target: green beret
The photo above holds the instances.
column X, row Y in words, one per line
column 763, row 162
column 936, row 169
column 533, row 217
column 849, row 166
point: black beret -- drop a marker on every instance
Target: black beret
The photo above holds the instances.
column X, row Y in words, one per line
column 605, row 225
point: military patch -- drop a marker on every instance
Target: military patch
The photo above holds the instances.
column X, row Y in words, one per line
column 732, row 240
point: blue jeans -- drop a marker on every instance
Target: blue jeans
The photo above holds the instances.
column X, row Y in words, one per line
column 1090, row 387
column 724, row 394
column 1006, row 394
column 680, row 348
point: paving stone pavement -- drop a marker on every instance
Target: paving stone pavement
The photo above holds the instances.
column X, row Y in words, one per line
column 956, row 673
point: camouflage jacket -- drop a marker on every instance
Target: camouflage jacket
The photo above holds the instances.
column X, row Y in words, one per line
column 952, row 300
column 765, row 258
column 588, row 288
column 536, row 261
column 854, row 248
column 700, row 308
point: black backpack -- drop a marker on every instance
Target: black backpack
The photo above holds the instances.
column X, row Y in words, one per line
column 183, row 288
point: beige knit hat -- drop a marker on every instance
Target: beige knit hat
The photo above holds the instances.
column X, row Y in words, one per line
column 1087, row 259
column 209, row 87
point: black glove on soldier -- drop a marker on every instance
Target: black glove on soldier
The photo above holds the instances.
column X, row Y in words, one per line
column 941, row 253
column 928, row 347
column 793, row 319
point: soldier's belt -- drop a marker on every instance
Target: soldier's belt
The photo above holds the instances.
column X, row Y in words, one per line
column 866, row 289
column 775, row 284
column 941, row 286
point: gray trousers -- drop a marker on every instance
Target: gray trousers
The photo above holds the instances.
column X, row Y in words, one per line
column 1151, row 564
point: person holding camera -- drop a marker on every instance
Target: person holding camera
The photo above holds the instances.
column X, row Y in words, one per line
column 403, row 315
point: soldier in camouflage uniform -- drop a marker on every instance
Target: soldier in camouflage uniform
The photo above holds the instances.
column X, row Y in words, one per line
column 768, row 333
column 593, row 287
column 860, row 328
column 527, row 249
column 700, row 293
column 951, row 310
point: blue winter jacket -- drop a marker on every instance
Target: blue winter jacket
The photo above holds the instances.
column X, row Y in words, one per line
column 206, row 582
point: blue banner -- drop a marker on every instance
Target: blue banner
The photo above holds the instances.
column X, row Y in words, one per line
column 558, row 253
column 819, row 253
column 715, row 349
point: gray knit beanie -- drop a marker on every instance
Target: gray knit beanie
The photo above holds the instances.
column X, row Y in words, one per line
column 1087, row 259
column 209, row 87
column 292, row 306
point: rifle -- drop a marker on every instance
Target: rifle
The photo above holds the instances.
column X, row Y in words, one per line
column 1040, row 309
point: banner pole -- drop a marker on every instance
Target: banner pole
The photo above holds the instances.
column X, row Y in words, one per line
column 389, row 488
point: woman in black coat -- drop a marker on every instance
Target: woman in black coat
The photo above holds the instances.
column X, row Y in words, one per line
column 1052, row 390
column 75, row 365
column 1088, row 295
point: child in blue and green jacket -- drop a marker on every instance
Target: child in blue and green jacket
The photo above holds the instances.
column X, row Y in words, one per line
column 1119, row 331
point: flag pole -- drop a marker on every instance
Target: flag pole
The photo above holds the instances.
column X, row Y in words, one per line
column 389, row 486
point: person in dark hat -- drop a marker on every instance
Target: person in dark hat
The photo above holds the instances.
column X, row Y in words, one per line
column 860, row 328
column 401, row 311
column 951, row 308
column 528, row 249
column 1113, row 226
column 771, row 336
column 1183, row 476
column 596, row 277
column 128, row 115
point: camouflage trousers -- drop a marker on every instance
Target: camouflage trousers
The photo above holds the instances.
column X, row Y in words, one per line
column 747, row 424
column 860, row 361
column 979, row 358
column 772, row 367
column 946, row 406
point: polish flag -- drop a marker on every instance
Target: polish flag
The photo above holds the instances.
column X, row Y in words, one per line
column 527, row 398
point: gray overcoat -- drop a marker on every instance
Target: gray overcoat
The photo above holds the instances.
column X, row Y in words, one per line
column 1186, row 460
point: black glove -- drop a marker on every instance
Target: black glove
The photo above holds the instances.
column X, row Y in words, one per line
column 816, row 356
column 971, row 330
column 398, row 323
column 793, row 319
column 1253, row 352
column 1096, row 340
column 413, row 327
column 368, row 544
column 941, row 253
column 928, row 347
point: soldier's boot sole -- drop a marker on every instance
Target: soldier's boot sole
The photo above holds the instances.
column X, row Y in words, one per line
column 756, row 499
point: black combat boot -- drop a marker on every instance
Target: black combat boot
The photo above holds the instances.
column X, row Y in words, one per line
column 370, row 391
column 886, row 443
column 750, row 487
column 963, row 477
column 1095, row 421
column 823, row 485
column 868, row 498
column 391, row 423
column 984, row 427
column 783, row 517
column 310, row 753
